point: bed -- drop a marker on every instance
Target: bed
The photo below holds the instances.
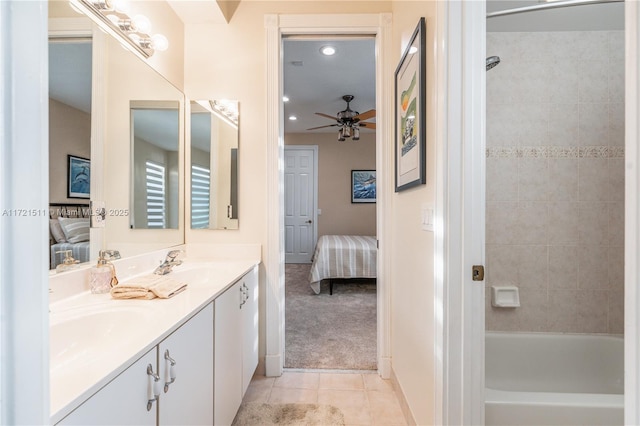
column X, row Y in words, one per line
column 69, row 230
column 344, row 257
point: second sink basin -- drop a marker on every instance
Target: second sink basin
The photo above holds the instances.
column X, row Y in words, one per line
column 78, row 336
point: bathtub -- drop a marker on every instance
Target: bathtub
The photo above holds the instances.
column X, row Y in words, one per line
column 553, row 379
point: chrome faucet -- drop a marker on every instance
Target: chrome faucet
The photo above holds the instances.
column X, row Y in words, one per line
column 169, row 262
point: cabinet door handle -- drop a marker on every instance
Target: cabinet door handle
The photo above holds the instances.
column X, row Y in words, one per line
column 153, row 389
column 169, row 370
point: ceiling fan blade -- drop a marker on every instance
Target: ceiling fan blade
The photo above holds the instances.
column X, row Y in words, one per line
column 320, row 127
column 366, row 115
column 325, row 115
column 367, row 125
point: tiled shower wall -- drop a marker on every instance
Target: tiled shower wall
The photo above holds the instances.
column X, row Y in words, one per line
column 555, row 180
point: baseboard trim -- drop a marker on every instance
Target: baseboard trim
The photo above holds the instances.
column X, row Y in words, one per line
column 273, row 365
column 408, row 416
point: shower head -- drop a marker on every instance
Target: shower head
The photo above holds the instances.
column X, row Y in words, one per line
column 492, row 61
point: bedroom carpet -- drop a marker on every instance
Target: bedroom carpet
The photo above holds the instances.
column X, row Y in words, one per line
column 329, row 332
column 257, row 414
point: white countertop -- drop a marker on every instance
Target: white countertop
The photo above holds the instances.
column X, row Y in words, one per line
column 80, row 369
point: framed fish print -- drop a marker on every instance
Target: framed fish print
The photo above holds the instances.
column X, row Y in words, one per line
column 363, row 186
column 410, row 128
column 78, row 177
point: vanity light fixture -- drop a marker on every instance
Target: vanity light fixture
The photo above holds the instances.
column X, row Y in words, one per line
column 113, row 17
column 226, row 109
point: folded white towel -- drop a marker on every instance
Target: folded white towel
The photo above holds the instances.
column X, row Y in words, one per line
column 148, row 287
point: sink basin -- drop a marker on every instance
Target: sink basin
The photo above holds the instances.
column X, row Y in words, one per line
column 79, row 337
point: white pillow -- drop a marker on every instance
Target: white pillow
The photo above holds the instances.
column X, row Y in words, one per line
column 56, row 231
column 75, row 230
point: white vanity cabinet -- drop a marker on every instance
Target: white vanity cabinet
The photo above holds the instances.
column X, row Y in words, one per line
column 236, row 345
column 186, row 400
column 123, row 401
column 189, row 399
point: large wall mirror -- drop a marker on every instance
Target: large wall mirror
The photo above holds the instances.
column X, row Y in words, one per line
column 144, row 154
column 214, row 164
column 113, row 81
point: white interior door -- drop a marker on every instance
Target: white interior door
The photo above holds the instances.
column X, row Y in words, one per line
column 300, row 200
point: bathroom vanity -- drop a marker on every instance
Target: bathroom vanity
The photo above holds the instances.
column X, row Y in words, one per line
column 184, row 360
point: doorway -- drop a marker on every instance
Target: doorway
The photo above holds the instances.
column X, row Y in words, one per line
column 327, row 81
column 277, row 26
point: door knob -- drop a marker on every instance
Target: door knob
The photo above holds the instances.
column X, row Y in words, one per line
column 309, row 221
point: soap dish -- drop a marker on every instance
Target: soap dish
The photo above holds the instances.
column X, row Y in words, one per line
column 506, row 296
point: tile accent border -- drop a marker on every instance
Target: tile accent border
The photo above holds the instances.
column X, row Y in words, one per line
column 556, row 152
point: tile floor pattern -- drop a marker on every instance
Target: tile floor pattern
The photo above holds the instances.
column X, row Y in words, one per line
column 363, row 398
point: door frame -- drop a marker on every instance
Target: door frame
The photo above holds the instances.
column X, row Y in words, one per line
column 313, row 148
column 459, row 212
column 276, row 26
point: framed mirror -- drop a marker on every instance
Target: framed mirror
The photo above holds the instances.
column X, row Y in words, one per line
column 155, row 127
column 214, row 164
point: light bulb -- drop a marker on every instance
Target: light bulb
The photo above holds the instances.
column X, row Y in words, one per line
column 121, row 6
column 159, row 42
column 142, row 24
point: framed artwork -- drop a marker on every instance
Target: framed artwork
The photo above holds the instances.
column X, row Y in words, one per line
column 363, row 186
column 410, row 128
column 78, row 177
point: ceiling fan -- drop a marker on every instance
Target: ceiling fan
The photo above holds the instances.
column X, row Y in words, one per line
column 349, row 121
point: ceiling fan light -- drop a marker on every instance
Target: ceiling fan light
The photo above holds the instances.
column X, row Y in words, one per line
column 346, row 132
column 356, row 134
column 340, row 136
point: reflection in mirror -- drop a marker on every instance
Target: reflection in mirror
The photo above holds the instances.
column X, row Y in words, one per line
column 69, row 148
column 154, row 130
column 132, row 83
column 214, row 164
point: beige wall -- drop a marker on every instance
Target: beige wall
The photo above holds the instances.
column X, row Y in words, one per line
column 412, row 316
column 335, row 162
column 69, row 134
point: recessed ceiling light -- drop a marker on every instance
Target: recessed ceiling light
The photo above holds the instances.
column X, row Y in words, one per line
column 285, row 99
column 413, row 49
column 293, row 117
column 328, row 50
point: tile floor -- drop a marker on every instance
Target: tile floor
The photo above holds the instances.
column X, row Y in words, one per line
column 363, row 398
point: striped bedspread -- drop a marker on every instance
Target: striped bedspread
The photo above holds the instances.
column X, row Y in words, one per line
column 80, row 251
column 343, row 256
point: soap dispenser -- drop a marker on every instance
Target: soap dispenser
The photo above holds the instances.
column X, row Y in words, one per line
column 102, row 276
column 68, row 263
